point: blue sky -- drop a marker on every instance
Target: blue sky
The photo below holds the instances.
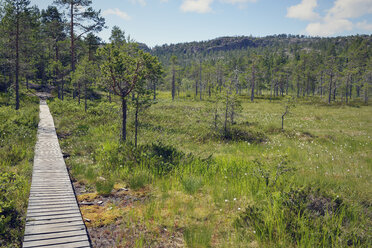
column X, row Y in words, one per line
column 157, row 22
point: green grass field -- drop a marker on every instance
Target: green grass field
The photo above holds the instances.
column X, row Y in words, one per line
column 17, row 141
column 305, row 186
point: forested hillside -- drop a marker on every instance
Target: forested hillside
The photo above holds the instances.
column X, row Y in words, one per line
column 334, row 68
column 232, row 142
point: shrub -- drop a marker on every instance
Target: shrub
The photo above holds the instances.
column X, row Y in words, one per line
column 139, row 180
column 104, row 187
column 307, row 216
column 191, row 184
column 9, row 216
column 237, row 133
column 198, row 236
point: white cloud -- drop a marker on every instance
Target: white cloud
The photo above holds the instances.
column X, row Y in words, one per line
column 350, row 8
column 329, row 27
column 304, row 10
column 336, row 20
column 204, row 6
column 117, row 12
column 365, row 26
column 238, row 1
column 199, row 6
column 141, row 2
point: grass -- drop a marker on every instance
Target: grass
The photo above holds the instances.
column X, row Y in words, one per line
column 305, row 186
column 17, row 139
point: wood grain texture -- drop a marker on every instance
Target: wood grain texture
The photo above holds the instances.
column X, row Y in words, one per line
column 53, row 215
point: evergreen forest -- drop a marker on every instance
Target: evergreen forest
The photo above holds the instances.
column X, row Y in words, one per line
column 232, row 142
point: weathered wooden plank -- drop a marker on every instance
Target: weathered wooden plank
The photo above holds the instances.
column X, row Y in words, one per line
column 47, row 211
column 50, row 206
column 54, row 235
column 40, row 229
column 48, row 217
column 53, row 215
column 54, row 220
column 59, row 242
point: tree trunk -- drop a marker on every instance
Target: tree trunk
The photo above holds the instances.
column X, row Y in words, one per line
column 287, row 86
column 366, row 93
column 62, row 90
column 334, row 93
column 321, row 85
column 85, row 96
column 154, row 85
column 78, row 92
column 59, row 91
column 124, row 118
column 253, row 81
column 200, row 91
column 330, row 89
column 232, row 115
column 347, row 90
column 200, row 79
column 57, row 71
column 226, row 113
column 136, row 123
column 72, row 45
column 271, row 90
column 351, row 89
column 17, row 61
column 196, row 88
column 173, row 83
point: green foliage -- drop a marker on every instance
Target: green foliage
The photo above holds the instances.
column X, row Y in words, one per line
column 274, row 191
column 17, row 136
column 139, row 179
column 308, row 217
column 104, row 187
column 191, row 184
column 10, row 220
column 198, row 236
column 239, row 133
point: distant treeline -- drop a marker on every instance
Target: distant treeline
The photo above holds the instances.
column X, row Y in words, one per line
column 46, row 46
column 338, row 67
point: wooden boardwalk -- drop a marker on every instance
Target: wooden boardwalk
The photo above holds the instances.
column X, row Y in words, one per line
column 53, row 216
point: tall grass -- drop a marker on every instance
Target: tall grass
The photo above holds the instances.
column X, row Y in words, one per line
column 306, row 186
column 17, row 140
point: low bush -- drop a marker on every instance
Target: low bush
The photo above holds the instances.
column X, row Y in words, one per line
column 104, row 187
column 306, row 216
column 139, row 179
column 198, row 236
column 17, row 139
column 237, row 133
column 191, row 184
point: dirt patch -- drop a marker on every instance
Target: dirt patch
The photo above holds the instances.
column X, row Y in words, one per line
column 108, row 224
column 134, row 235
column 62, row 135
column 305, row 136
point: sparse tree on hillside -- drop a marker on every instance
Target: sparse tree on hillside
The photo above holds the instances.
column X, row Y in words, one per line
column 13, row 22
column 122, row 68
column 173, row 64
column 83, row 19
column 53, row 27
column 85, row 73
column 117, row 36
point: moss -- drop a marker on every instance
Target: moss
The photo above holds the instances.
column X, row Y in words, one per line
column 97, row 216
column 89, row 197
